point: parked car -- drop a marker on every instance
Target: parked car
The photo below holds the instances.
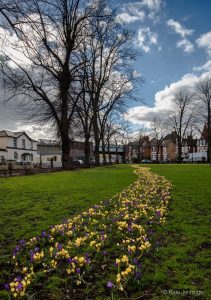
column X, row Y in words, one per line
column 195, row 157
column 78, row 162
column 146, row 161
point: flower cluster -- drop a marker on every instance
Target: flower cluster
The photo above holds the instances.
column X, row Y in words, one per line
column 116, row 232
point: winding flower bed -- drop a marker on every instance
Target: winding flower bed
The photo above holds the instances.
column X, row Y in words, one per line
column 101, row 247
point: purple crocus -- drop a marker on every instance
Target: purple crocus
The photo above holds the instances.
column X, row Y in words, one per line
column 88, row 261
column 22, row 242
column 110, row 285
column 20, row 286
column 59, row 246
column 138, row 275
column 78, row 270
column 43, row 234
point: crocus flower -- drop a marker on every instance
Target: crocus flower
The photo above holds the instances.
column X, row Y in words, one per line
column 110, row 285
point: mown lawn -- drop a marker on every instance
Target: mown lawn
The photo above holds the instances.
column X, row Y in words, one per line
column 184, row 260
column 182, row 257
column 31, row 204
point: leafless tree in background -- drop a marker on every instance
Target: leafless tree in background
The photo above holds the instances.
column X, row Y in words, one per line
column 142, row 135
column 158, row 133
column 182, row 116
column 203, row 95
column 116, row 131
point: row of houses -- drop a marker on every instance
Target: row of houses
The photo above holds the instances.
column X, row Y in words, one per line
column 167, row 150
column 20, row 147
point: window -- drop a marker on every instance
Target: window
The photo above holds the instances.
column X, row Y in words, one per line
column 15, row 155
column 2, row 158
column 15, row 142
column 31, row 145
column 23, row 144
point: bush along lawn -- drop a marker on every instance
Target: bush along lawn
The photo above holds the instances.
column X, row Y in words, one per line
column 98, row 253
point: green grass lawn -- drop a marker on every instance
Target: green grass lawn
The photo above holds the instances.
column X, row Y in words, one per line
column 31, row 204
column 183, row 263
column 181, row 260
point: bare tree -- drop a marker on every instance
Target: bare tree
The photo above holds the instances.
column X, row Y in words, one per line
column 181, row 117
column 203, row 90
column 141, row 140
column 115, row 132
column 158, row 133
column 40, row 58
column 110, row 76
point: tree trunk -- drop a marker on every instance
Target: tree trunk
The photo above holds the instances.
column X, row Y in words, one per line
column 139, row 153
column 104, row 154
column 87, row 152
column 117, row 156
column 179, row 151
column 97, row 155
column 65, row 149
column 64, row 123
column 161, row 153
column 109, row 153
column 157, row 153
column 209, row 137
column 97, row 139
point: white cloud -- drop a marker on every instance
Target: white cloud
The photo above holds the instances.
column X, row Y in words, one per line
column 205, row 67
column 179, row 29
column 37, row 131
column 128, row 18
column 185, row 45
column 146, row 38
column 144, row 115
column 139, row 10
column 204, row 41
column 152, row 4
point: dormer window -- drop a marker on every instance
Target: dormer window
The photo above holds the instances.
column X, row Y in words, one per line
column 23, row 143
column 15, row 142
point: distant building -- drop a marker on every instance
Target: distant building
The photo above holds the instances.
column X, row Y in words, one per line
column 17, row 146
column 77, row 150
column 170, row 142
column 115, row 153
column 51, row 151
column 131, row 152
column 202, row 141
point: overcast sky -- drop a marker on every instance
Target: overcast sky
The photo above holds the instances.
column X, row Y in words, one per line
column 174, row 37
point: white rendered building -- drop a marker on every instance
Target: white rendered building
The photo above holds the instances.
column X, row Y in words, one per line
column 17, row 146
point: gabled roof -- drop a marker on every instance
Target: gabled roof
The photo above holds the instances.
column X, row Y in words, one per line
column 7, row 133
